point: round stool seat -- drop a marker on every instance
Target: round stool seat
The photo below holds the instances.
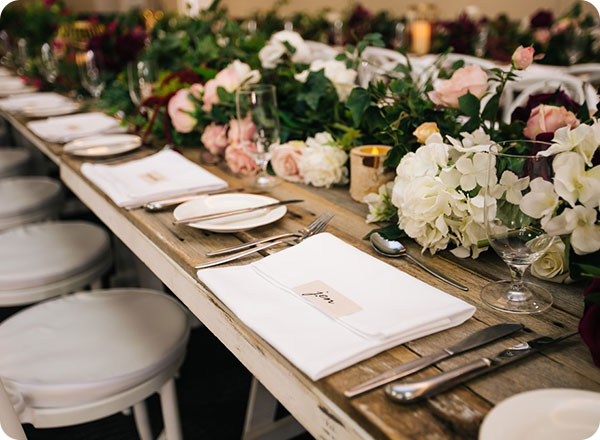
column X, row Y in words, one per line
column 13, row 161
column 28, row 199
column 83, row 347
column 43, row 253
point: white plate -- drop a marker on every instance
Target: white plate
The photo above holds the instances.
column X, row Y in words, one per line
column 104, row 145
column 228, row 202
column 51, row 110
column 550, row 414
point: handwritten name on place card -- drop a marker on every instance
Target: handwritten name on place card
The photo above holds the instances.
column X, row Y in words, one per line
column 327, row 299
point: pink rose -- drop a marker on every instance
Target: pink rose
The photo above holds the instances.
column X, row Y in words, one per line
column 548, row 119
column 214, row 138
column 542, row 36
column 226, row 78
column 180, row 108
column 285, row 161
column 196, row 91
column 523, row 57
column 241, row 130
column 210, row 97
column 239, row 161
column 466, row 79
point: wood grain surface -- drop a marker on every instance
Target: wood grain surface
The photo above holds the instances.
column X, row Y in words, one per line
column 172, row 251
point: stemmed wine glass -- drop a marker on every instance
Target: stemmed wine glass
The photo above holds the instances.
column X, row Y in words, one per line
column 517, row 238
column 141, row 76
column 258, row 121
column 22, row 56
column 5, row 55
column 91, row 76
column 49, row 63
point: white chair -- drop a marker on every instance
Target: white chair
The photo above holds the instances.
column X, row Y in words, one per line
column 28, row 199
column 43, row 260
column 531, row 85
column 452, row 58
column 9, row 421
column 377, row 63
column 589, row 72
column 321, row 51
column 86, row 356
column 14, row 161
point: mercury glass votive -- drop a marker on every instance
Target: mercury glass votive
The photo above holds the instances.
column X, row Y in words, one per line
column 367, row 172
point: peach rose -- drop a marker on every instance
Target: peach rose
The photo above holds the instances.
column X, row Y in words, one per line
column 180, row 108
column 548, row 119
column 286, row 160
column 239, row 161
column 241, row 130
column 425, row 130
column 466, row 79
column 214, row 138
column 523, row 57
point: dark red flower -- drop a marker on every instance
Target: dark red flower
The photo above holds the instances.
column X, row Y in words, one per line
column 589, row 326
column 558, row 98
column 544, row 18
column 49, row 3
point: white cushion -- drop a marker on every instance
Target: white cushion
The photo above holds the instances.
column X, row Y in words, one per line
column 90, row 345
column 13, row 161
column 26, row 195
column 42, row 253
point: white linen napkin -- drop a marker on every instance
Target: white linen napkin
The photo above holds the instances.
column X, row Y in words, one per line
column 385, row 307
column 63, row 129
column 33, row 100
column 162, row 175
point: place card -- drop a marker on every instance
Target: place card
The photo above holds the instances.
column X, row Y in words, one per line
column 327, row 299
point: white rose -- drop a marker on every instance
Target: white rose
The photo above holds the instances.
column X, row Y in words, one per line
column 552, row 265
column 275, row 49
column 342, row 78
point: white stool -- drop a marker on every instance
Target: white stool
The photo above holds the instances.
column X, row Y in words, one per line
column 89, row 355
column 28, row 199
column 13, row 161
column 42, row 260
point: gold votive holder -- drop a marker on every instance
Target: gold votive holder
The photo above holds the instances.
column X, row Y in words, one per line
column 367, row 172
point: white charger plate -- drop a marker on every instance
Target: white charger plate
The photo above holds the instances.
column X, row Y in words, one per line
column 103, row 145
column 42, row 111
column 228, row 202
column 548, row 414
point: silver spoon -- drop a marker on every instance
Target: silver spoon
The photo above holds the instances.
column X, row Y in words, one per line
column 395, row 249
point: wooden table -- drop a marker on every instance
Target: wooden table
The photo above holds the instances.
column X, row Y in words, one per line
column 171, row 251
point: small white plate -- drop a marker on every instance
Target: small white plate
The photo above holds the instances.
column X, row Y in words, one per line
column 65, row 108
column 229, row 202
column 104, row 145
column 549, row 414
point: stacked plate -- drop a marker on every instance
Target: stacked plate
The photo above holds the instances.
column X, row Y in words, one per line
column 103, row 145
column 39, row 105
column 11, row 85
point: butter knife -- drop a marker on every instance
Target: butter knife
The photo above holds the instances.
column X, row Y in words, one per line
column 475, row 340
column 200, row 218
column 159, row 205
column 414, row 391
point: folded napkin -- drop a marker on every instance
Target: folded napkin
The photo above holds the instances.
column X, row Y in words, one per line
column 326, row 305
column 67, row 128
column 33, row 100
column 162, row 175
column 10, row 85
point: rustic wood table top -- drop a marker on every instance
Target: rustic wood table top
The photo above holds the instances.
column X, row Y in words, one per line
column 172, row 251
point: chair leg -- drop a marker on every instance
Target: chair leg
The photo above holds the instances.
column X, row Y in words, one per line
column 170, row 411
column 142, row 423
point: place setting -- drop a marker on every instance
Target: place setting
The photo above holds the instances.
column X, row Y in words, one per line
column 40, row 105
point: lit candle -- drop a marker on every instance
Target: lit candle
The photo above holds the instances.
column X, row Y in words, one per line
column 367, row 172
column 421, row 37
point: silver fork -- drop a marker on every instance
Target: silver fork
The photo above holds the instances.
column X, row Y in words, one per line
column 317, row 226
column 241, row 247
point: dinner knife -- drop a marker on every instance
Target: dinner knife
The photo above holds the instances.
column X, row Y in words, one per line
column 475, row 340
column 159, row 205
column 186, row 221
column 402, row 392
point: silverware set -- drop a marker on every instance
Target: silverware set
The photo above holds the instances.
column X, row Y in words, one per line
column 414, row 391
column 316, row 226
